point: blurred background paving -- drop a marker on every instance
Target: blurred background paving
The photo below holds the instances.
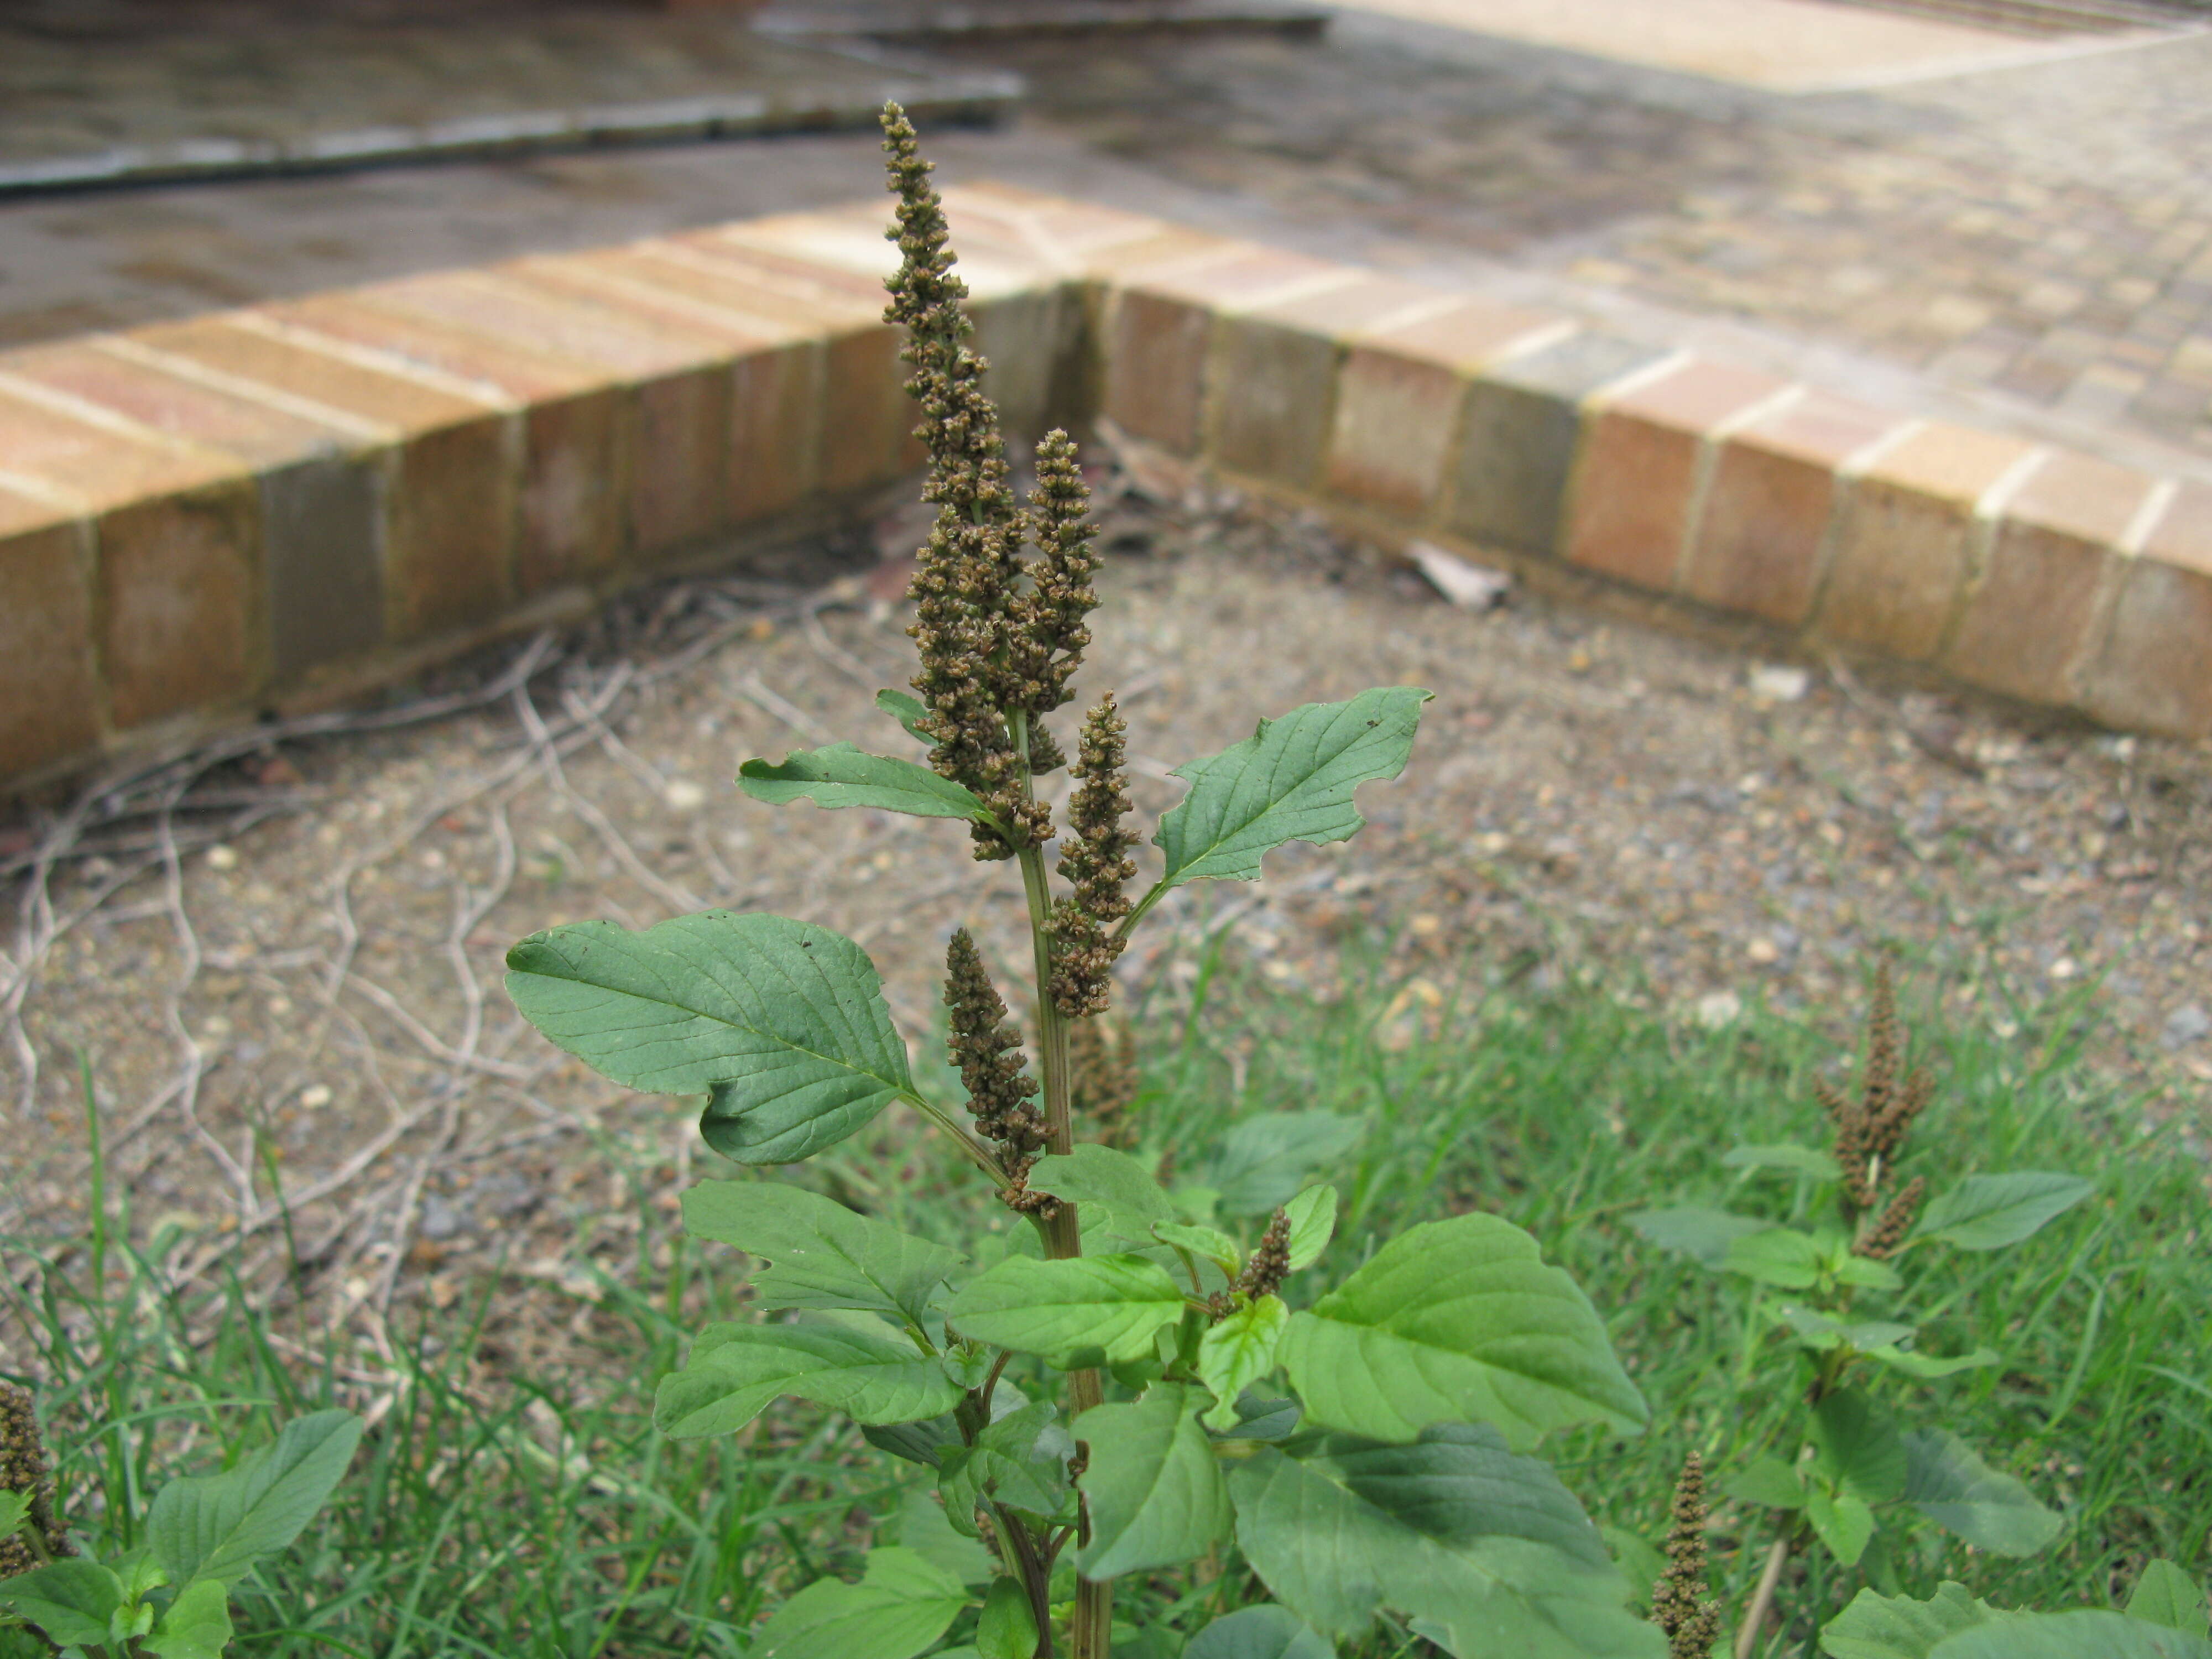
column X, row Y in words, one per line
column 2026, row 246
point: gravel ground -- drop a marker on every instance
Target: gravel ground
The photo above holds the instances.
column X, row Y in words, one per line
column 313, row 1001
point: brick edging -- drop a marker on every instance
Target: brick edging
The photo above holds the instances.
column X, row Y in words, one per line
column 203, row 518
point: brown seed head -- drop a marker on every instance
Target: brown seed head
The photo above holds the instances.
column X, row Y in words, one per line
column 1102, row 1063
column 1270, row 1265
column 968, row 576
column 1881, row 1241
column 24, row 1468
column 1097, row 863
column 1682, row 1603
column 988, row 1049
column 1051, row 636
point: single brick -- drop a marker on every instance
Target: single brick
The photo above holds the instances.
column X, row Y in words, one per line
column 868, row 421
column 1273, row 373
column 1903, row 540
column 2153, row 669
column 1398, row 398
column 177, row 602
column 1759, row 543
column 573, row 507
column 322, row 524
column 452, row 530
column 1155, row 363
column 1518, row 438
column 776, row 430
column 681, row 490
column 49, row 687
column 1638, row 474
column 1034, row 344
column 2027, row 617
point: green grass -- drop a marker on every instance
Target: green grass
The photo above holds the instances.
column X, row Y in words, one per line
column 473, row 1524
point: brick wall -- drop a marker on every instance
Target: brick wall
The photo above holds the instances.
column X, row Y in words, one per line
column 200, row 520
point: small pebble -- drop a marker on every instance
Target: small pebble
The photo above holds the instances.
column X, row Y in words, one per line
column 220, row 857
column 1719, row 1009
column 684, row 796
column 315, row 1096
column 2186, row 1024
column 1779, row 682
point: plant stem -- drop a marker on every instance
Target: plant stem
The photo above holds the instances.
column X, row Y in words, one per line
column 1747, row 1638
column 1091, row 1635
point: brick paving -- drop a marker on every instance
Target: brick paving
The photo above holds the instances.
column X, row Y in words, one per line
column 2032, row 242
column 2042, row 233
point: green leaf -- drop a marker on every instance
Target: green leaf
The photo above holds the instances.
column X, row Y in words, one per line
column 921, row 1442
column 1767, row 1481
column 1865, row 1271
column 1108, row 1185
column 734, row 1370
column 1020, row 1460
column 1639, row 1561
column 1265, row 1158
column 1007, row 1629
column 1312, row 1216
column 72, row 1600
column 1292, row 779
column 1458, row 1321
column 925, row 1529
column 1930, row 1366
column 1704, row 1236
column 1261, row 1632
column 1093, row 1310
column 1843, row 1519
column 1152, row 1489
column 901, row 1606
column 1954, row 1626
column 1238, row 1352
column 2166, row 1595
column 781, row 1022
column 1456, row 1530
column 1797, row 1160
column 825, row 1256
column 216, row 1526
column 908, row 712
column 197, row 1625
column 1780, row 1256
column 1207, row 1243
column 1264, row 1420
column 842, row 776
column 1949, row 1484
column 14, row 1506
column 2084, row 1635
column 1877, row 1626
column 1989, row 1212
column 1859, row 1444
column 1820, row 1333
